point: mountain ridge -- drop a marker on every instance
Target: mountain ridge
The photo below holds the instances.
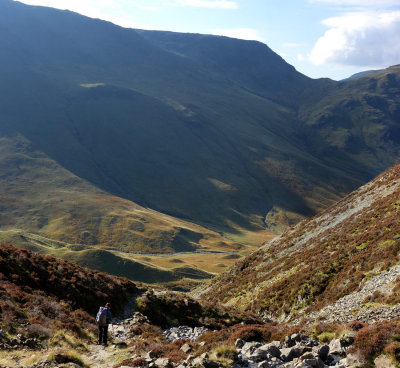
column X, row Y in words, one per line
column 183, row 136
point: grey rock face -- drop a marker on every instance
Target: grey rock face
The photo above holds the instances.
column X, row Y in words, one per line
column 184, row 332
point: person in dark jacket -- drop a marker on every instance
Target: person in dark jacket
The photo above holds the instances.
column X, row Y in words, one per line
column 103, row 324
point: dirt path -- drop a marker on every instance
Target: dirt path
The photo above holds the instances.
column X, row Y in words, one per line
column 118, row 334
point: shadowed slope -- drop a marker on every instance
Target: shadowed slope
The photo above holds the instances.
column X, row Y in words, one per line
column 209, row 129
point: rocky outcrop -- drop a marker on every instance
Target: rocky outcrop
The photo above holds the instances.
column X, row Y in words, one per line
column 184, row 332
column 355, row 306
column 298, row 351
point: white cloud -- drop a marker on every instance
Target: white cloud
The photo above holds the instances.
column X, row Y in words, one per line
column 363, row 3
column 369, row 39
column 211, row 4
column 241, row 33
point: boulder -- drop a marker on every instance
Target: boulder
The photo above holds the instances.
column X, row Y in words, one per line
column 289, row 342
column 333, row 359
column 302, row 348
column 239, row 343
column 289, row 354
column 248, row 348
column 187, row 349
column 315, row 362
column 384, row 361
column 336, row 347
column 353, row 361
column 296, row 337
column 323, row 352
column 200, row 362
column 163, row 363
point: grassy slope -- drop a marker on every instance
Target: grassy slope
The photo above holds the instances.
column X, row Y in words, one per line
column 320, row 260
column 46, row 208
column 191, row 143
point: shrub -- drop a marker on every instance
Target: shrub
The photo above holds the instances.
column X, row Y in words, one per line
column 393, row 349
column 138, row 362
column 372, row 340
column 38, row 331
column 226, row 352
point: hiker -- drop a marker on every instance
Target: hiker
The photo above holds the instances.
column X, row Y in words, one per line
column 103, row 319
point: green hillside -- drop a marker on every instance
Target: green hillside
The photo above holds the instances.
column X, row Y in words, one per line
column 219, row 132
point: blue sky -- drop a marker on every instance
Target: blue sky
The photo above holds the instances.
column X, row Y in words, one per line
column 320, row 38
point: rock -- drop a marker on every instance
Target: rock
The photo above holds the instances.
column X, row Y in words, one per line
column 323, row 352
column 44, row 364
column 272, row 349
column 335, row 347
column 308, row 355
column 314, row 362
column 187, row 349
column 184, row 332
column 353, row 361
column 61, row 359
column 278, row 344
column 289, row 342
column 163, row 363
column 333, row 359
column 259, row 355
column 296, row 337
column 384, row 361
column 200, row 362
column 289, row 354
column 248, row 348
column 189, row 358
column 239, row 343
column 121, row 345
column 299, row 365
column 210, row 364
column 302, row 348
column 204, row 356
column 3, row 336
column 347, row 339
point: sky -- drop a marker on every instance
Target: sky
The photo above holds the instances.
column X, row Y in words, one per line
column 320, row 38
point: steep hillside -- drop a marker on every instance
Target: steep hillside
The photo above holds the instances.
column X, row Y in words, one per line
column 352, row 249
column 50, row 293
column 181, row 134
column 212, row 130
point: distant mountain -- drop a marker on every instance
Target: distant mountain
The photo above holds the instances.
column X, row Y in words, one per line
column 361, row 74
column 216, row 131
column 339, row 266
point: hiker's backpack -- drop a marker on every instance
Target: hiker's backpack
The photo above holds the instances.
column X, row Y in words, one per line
column 101, row 318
